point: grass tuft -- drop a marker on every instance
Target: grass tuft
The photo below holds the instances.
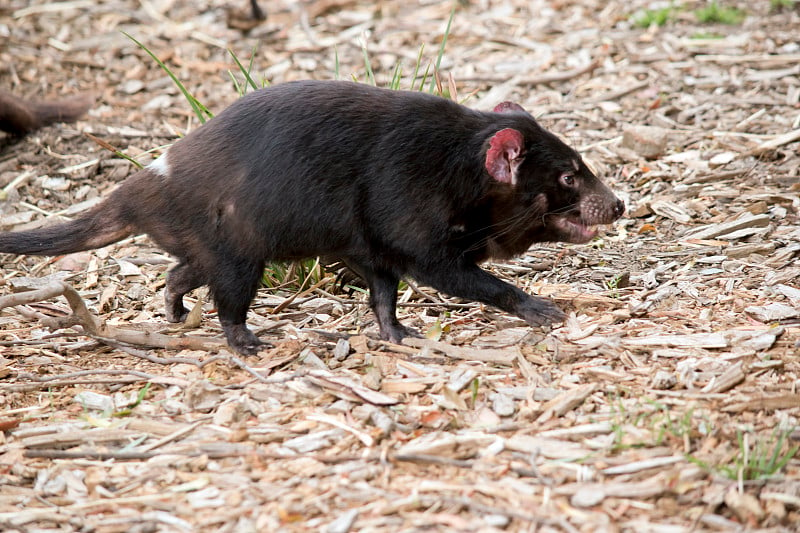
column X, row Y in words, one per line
column 286, row 275
column 714, row 13
column 444, row 43
column 367, row 64
column 241, row 89
column 396, row 80
column 760, row 460
column 654, row 17
column 780, row 5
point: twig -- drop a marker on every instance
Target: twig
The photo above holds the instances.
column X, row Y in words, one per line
column 48, row 340
column 247, row 368
column 284, row 304
column 366, row 439
column 95, row 328
column 431, row 459
column 470, row 354
column 772, row 144
column 434, row 303
column 492, row 509
column 424, row 294
column 193, row 451
column 161, row 360
column 27, row 387
column 28, row 297
column 173, row 436
column 90, row 454
column 619, row 93
column 82, row 373
column 559, row 76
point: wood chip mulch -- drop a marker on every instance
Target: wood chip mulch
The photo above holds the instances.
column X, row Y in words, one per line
column 667, row 402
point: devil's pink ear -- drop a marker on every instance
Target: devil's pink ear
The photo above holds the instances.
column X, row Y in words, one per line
column 503, row 155
column 508, row 107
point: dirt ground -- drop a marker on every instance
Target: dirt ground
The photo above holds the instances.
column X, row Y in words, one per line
column 667, row 402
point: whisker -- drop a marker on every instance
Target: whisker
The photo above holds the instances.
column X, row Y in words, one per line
column 504, row 227
column 511, row 224
column 560, row 210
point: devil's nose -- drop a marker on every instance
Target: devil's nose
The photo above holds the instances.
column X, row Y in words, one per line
column 619, row 208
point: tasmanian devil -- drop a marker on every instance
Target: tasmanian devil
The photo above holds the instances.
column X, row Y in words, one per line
column 18, row 116
column 391, row 183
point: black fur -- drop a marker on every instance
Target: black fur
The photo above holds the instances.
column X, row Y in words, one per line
column 391, row 183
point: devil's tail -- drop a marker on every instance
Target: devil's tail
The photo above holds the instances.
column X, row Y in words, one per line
column 19, row 117
column 102, row 225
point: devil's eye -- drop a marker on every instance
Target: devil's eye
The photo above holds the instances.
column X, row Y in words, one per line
column 567, row 180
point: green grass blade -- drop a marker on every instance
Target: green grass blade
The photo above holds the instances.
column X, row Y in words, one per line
column 236, row 86
column 425, row 77
column 396, row 77
column 250, row 66
column 777, row 461
column 142, row 393
column 367, row 66
column 199, row 109
column 776, row 450
column 128, row 158
column 785, row 459
column 245, row 71
column 111, row 148
column 336, row 63
column 444, row 43
column 417, row 65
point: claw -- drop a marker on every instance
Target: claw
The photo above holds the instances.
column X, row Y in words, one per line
column 242, row 339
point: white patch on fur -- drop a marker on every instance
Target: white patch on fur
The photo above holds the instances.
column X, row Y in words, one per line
column 160, row 166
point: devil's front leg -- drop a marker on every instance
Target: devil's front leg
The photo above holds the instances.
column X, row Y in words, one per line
column 469, row 281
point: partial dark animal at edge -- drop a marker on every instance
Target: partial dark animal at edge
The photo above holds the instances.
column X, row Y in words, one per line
column 390, row 183
column 20, row 117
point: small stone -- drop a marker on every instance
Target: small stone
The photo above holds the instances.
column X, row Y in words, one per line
column 94, row 401
column 776, row 510
column 382, row 421
column 745, row 505
column 497, row 520
column 722, row 159
column 318, row 305
column 137, row 292
column 502, row 405
column 588, row 497
column 311, row 359
column 342, row 349
column 772, row 312
column 55, row 184
column 202, row 395
column 648, row 141
column 640, row 211
column 162, row 101
column 229, row 413
column 664, row 380
column 132, row 86
column 671, row 210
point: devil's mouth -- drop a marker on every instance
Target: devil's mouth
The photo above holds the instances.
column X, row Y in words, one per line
column 572, row 229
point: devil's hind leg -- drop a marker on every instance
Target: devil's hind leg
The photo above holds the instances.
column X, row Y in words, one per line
column 234, row 285
column 382, row 299
column 183, row 278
